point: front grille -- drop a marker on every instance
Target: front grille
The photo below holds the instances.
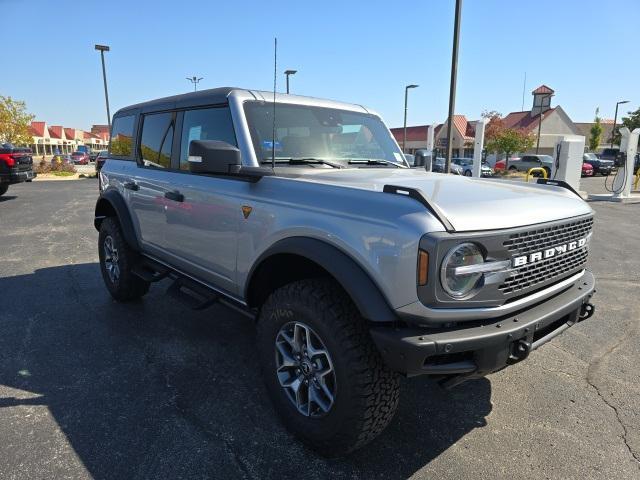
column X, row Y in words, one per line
column 535, row 240
column 536, row 273
column 530, row 275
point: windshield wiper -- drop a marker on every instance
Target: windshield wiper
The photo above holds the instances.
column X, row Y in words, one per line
column 375, row 161
column 304, row 161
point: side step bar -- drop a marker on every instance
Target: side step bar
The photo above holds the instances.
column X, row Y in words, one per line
column 194, row 294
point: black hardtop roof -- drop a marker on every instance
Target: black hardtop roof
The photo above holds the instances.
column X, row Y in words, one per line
column 211, row 96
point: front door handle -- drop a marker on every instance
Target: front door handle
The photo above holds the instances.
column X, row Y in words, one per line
column 131, row 186
column 176, row 196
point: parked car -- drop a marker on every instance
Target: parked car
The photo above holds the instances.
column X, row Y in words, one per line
column 466, row 164
column 61, row 159
column 94, row 154
column 16, row 166
column 354, row 267
column 600, row 165
column 80, row 158
column 611, row 154
column 527, row 162
column 587, row 170
column 500, row 164
column 100, row 159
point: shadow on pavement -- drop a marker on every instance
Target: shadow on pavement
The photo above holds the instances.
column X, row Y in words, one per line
column 5, row 198
column 153, row 390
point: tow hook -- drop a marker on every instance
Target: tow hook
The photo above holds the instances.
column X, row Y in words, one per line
column 586, row 311
column 520, row 351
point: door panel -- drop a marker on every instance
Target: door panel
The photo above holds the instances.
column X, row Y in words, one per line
column 201, row 231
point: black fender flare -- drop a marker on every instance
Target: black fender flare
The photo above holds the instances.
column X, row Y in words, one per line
column 110, row 202
column 364, row 292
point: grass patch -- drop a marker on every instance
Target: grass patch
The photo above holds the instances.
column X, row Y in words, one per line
column 63, row 174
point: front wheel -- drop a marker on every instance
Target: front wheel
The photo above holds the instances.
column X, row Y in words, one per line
column 322, row 371
column 467, row 173
column 3, row 189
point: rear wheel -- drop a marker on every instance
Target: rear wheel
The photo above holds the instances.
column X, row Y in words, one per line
column 116, row 263
column 512, row 168
column 3, row 189
column 322, row 371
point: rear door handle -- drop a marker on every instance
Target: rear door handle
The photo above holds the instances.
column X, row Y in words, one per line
column 131, row 186
column 176, row 196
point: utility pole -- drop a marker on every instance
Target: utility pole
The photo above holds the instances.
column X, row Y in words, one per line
column 406, row 96
column 102, row 49
column 287, row 73
column 195, row 80
column 452, row 87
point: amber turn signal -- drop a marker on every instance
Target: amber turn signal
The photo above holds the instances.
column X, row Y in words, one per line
column 423, row 267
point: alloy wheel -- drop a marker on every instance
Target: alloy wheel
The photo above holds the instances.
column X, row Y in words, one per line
column 305, row 370
column 111, row 259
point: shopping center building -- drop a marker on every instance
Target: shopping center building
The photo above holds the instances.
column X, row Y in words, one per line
column 49, row 140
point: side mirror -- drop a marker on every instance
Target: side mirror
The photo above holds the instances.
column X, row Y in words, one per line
column 221, row 158
column 212, row 156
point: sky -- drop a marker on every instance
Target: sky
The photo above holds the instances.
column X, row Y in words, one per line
column 361, row 52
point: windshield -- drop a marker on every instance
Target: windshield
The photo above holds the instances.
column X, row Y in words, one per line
column 306, row 132
column 545, row 158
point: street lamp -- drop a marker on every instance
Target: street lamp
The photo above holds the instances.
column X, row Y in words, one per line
column 615, row 119
column 195, row 80
column 102, row 49
column 406, row 96
column 287, row 73
column 452, row 86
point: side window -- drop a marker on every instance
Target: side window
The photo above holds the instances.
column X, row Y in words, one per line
column 205, row 124
column 156, row 140
column 121, row 144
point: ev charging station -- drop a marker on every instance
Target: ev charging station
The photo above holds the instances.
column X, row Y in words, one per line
column 623, row 180
column 478, row 147
column 567, row 166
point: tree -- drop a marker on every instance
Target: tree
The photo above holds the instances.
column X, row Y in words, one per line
column 595, row 133
column 14, row 121
column 499, row 139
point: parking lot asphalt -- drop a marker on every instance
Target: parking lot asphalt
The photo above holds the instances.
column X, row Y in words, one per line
column 90, row 388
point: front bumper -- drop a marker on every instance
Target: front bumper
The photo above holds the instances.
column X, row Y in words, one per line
column 17, row 177
column 477, row 349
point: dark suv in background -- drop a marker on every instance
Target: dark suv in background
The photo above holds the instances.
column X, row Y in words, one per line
column 16, row 165
column 600, row 165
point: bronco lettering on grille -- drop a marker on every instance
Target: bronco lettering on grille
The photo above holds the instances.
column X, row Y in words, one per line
column 548, row 253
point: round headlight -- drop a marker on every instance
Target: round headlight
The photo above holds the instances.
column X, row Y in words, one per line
column 462, row 255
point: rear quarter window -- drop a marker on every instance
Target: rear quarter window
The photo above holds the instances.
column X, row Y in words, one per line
column 121, row 144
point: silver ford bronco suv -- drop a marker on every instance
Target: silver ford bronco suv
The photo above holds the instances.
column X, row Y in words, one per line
column 303, row 214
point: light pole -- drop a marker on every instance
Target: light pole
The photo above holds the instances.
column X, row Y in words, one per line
column 287, row 73
column 195, row 80
column 102, row 49
column 615, row 119
column 406, row 97
column 452, row 87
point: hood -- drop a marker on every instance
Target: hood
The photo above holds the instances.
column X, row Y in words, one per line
column 469, row 204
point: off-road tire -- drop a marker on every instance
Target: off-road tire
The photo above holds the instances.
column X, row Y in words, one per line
column 128, row 286
column 367, row 392
column 3, row 189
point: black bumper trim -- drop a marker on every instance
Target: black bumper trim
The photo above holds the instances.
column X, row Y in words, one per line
column 17, row 177
column 490, row 346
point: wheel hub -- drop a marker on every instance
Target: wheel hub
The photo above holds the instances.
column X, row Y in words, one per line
column 304, row 369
